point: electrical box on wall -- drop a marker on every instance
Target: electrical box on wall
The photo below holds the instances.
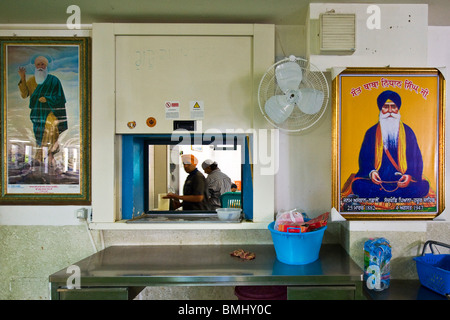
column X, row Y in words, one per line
column 337, row 33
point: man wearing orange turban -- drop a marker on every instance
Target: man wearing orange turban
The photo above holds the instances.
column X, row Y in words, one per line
column 194, row 191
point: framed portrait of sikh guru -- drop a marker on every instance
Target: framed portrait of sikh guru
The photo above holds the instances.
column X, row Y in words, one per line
column 45, row 121
column 388, row 143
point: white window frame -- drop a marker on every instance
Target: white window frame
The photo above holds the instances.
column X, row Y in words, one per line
column 106, row 144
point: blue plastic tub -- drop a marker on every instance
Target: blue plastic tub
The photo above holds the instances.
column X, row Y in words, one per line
column 297, row 248
column 434, row 269
column 434, row 272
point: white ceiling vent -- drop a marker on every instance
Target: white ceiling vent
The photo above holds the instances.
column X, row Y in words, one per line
column 337, row 33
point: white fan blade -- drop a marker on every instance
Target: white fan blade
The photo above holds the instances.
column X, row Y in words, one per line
column 311, row 100
column 289, row 75
column 278, row 109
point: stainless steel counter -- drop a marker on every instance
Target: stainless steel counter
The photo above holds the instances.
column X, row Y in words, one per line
column 179, row 217
column 404, row 290
column 187, row 265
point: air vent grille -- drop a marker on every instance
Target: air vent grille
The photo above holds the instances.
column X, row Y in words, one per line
column 337, row 33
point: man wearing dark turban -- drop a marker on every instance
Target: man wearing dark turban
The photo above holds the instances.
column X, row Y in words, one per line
column 390, row 161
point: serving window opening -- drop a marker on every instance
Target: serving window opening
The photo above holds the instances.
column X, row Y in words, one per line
column 152, row 167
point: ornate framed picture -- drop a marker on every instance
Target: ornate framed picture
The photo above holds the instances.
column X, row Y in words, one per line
column 388, row 143
column 45, row 121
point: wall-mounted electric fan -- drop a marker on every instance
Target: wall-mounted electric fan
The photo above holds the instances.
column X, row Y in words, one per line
column 293, row 94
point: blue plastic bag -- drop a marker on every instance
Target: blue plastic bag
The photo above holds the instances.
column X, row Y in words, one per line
column 377, row 268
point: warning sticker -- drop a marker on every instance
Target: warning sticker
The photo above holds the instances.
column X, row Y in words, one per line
column 172, row 109
column 151, row 122
column 197, row 109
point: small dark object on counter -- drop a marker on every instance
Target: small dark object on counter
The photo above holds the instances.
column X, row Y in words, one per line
column 241, row 253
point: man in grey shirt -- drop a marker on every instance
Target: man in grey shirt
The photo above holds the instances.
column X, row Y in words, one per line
column 217, row 183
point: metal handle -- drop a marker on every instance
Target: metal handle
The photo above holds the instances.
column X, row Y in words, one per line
column 432, row 242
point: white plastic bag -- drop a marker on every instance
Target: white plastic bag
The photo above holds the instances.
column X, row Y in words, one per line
column 292, row 217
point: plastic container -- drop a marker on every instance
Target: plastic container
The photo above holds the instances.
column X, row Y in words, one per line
column 377, row 266
column 228, row 214
column 297, row 248
column 231, row 200
column 434, row 269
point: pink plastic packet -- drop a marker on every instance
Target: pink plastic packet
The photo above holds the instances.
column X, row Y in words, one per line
column 291, row 218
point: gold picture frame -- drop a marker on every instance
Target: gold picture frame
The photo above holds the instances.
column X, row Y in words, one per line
column 45, row 120
column 388, row 143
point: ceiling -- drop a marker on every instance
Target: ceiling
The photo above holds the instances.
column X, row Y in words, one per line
column 280, row 12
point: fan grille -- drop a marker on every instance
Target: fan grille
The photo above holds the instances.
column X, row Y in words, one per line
column 312, row 78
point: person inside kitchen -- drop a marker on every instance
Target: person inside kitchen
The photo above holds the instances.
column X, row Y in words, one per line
column 194, row 190
column 217, row 183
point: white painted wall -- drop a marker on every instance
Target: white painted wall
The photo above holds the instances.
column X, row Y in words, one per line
column 401, row 40
column 439, row 57
column 41, row 215
column 404, row 39
column 304, row 176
